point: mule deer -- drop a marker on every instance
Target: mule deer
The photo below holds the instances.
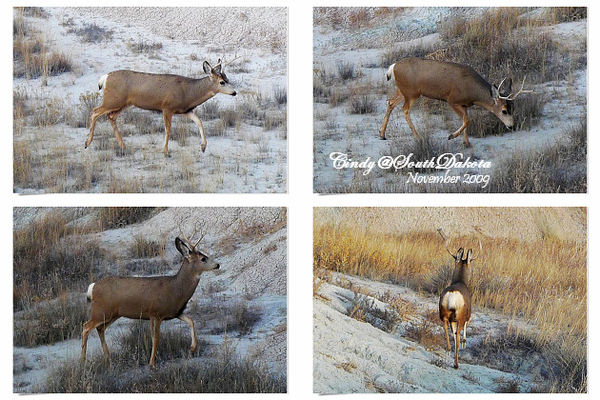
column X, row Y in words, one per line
column 455, row 300
column 170, row 94
column 157, row 298
column 458, row 85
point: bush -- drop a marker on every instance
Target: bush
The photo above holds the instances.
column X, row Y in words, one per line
column 48, row 260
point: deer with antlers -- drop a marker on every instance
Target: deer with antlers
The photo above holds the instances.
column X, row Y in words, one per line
column 157, row 298
column 455, row 300
column 458, row 85
column 170, row 94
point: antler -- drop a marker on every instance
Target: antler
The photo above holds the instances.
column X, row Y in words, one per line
column 223, row 65
column 511, row 96
column 480, row 251
column 188, row 241
column 446, row 242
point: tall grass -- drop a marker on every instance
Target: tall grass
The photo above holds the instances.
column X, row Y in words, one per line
column 48, row 260
column 32, row 58
column 222, row 371
column 535, row 280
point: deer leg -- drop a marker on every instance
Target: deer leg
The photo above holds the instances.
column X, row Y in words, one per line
column 167, row 116
column 392, row 103
column 101, row 330
column 155, row 326
column 190, row 323
column 408, row 103
column 456, row 347
column 98, row 112
column 87, row 328
column 195, row 118
column 461, row 111
column 112, row 118
column 446, row 333
column 465, row 335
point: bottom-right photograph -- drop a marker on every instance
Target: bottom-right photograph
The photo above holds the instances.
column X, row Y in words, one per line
column 439, row 299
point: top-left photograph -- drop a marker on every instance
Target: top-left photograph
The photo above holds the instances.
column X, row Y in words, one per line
column 150, row 100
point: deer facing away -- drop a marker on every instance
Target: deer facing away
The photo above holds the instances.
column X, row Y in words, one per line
column 455, row 301
column 157, row 298
column 170, row 94
column 458, row 85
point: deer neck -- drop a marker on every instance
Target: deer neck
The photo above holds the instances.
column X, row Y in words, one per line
column 203, row 90
column 186, row 279
column 460, row 274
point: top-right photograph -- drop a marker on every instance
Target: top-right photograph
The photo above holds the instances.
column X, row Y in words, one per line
column 450, row 100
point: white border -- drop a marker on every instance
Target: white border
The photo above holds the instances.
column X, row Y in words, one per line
column 300, row 199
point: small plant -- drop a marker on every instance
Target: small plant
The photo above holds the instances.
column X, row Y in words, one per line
column 92, row 33
column 363, row 104
column 146, row 248
column 144, row 47
column 346, row 70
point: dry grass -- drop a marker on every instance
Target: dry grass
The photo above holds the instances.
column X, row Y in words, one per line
column 524, row 279
column 223, row 371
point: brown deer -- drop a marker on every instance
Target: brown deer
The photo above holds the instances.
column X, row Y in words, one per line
column 157, row 298
column 170, row 94
column 458, row 85
column 455, row 300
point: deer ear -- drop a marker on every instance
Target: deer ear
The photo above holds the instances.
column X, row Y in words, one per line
column 469, row 256
column 459, row 254
column 206, row 66
column 508, row 90
column 182, row 247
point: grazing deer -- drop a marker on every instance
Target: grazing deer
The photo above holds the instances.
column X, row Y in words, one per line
column 171, row 94
column 458, row 85
column 455, row 300
column 157, row 298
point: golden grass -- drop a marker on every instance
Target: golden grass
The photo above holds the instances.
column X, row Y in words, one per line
column 543, row 281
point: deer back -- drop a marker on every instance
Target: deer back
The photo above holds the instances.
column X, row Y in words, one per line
column 442, row 80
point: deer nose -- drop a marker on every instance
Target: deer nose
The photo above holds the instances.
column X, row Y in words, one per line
column 218, row 266
column 234, row 93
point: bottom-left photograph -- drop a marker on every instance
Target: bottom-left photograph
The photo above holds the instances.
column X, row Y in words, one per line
column 145, row 299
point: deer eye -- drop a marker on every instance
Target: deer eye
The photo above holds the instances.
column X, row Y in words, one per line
column 203, row 259
column 504, row 112
column 222, row 83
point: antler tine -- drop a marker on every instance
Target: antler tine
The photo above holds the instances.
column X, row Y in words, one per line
column 446, row 242
column 199, row 239
column 188, row 240
column 511, row 96
column 480, row 251
column 223, row 65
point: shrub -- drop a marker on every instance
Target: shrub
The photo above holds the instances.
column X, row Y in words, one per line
column 48, row 260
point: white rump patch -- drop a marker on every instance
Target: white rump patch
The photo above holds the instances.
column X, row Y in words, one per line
column 89, row 291
column 102, row 81
column 390, row 71
column 453, row 301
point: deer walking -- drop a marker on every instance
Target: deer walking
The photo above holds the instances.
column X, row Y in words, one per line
column 458, row 85
column 170, row 94
column 455, row 300
column 157, row 298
